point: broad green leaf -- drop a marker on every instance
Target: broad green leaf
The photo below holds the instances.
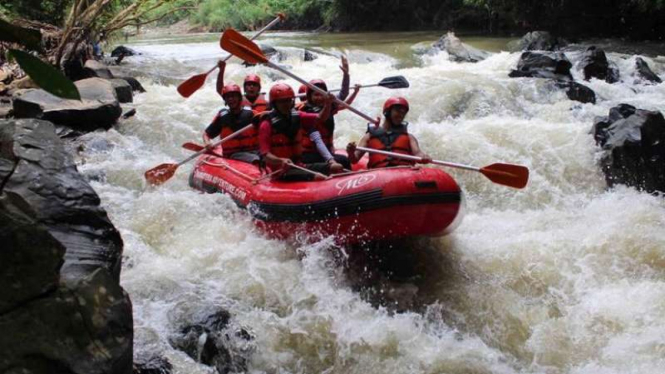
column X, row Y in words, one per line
column 46, row 76
column 31, row 39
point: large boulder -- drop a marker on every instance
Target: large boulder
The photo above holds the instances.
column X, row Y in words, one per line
column 538, row 41
column 98, row 108
column 95, row 69
column 136, row 85
column 123, row 90
column 595, row 64
column 578, row 92
column 61, row 306
column 633, row 141
column 644, row 73
column 458, row 51
column 215, row 341
column 551, row 65
column 122, row 50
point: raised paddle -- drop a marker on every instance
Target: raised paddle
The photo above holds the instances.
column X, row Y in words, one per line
column 191, row 85
column 164, row 172
column 236, row 44
column 515, row 176
column 395, row 82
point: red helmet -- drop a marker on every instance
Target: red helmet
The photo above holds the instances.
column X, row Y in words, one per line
column 318, row 83
column 253, row 78
column 394, row 101
column 281, row 91
column 302, row 89
column 231, row 88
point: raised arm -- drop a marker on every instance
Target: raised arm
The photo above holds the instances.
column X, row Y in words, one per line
column 344, row 92
column 220, row 76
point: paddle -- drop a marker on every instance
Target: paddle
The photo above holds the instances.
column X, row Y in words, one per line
column 191, row 85
column 242, row 47
column 515, row 176
column 164, row 172
column 395, row 82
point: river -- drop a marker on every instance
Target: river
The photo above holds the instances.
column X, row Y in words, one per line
column 564, row 276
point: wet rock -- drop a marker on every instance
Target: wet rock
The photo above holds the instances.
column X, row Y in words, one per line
column 122, row 50
column 578, row 92
column 152, row 365
column 309, row 56
column 95, row 69
column 644, row 72
column 123, row 90
column 458, row 51
column 552, row 65
column 216, row 342
column 130, row 113
column 63, row 309
column 595, row 65
column 99, row 107
column 538, row 41
column 633, row 141
column 136, row 85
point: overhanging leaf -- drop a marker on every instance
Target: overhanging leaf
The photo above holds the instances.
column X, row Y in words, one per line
column 31, row 39
column 46, row 76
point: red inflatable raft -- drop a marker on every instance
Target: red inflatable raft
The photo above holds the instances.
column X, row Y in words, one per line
column 358, row 206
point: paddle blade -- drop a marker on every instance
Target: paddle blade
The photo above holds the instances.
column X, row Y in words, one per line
column 394, row 82
column 193, row 147
column 191, row 85
column 160, row 174
column 515, row 176
column 242, row 47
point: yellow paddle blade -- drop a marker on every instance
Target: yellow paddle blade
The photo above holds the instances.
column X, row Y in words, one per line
column 242, row 47
column 515, row 176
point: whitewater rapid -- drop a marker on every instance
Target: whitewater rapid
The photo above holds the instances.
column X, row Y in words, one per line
column 564, row 276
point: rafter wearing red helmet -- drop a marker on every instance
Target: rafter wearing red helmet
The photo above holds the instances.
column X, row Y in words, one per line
column 243, row 147
column 392, row 136
column 253, row 97
column 281, row 131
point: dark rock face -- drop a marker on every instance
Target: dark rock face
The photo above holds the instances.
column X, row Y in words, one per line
column 95, row 69
column 122, row 50
column 644, row 72
column 152, row 365
column 595, row 65
column 61, row 306
column 309, row 56
column 123, row 90
column 99, row 107
column 552, row 65
column 578, row 92
column 634, row 144
column 458, row 51
column 216, row 342
column 538, row 41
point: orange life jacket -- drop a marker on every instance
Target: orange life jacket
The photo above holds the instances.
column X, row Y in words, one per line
column 326, row 130
column 396, row 141
column 283, row 135
column 246, row 141
column 259, row 105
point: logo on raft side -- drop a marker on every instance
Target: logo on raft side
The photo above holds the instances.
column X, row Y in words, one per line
column 357, row 182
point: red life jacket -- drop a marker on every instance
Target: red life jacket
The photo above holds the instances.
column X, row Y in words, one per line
column 259, row 105
column 246, row 141
column 326, row 130
column 283, row 135
column 397, row 141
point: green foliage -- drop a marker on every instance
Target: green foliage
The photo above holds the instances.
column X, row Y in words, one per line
column 46, row 76
column 251, row 14
column 48, row 11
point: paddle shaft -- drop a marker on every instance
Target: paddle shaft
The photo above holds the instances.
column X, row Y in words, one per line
column 416, row 158
column 268, row 26
column 339, row 89
column 204, row 150
column 322, row 92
